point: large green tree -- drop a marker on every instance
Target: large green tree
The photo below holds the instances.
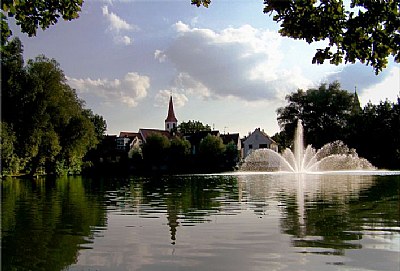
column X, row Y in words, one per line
column 325, row 112
column 193, row 126
column 53, row 131
column 365, row 30
column 100, row 125
column 377, row 136
column 329, row 114
column 179, row 154
column 211, row 153
column 155, row 150
column 32, row 14
column 9, row 161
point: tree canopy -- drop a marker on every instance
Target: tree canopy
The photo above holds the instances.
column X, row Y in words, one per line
column 367, row 31
column 46, row 127
column 155, row 150
column 330, row 113
column 30, row 15
column 193, row 127
column 325, row 113
column 211, row 152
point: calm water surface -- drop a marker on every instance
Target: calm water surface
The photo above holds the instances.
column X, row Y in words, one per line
column 224, row 222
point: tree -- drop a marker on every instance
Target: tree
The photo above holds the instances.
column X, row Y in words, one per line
column 211, row 152
column 179, row 153
column 9, row 161
column 192, row 127
column 377, row 137
column 325, row 113
column 31, row 15
column 231, row 154
column 100, row 125
column 331, row 114
column 283, row 140
column 155, row 150
column 367, row 31
column 52, row 129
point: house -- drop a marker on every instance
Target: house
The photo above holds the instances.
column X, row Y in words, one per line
column 258, row 140
column 124, row 140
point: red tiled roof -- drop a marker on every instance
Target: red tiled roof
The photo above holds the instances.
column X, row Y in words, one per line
column 146, row 132
column 129, row 134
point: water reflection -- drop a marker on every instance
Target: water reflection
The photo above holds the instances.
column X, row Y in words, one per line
column 331, row 212
column 184, row 201
column 255, row 222
column 46, row 222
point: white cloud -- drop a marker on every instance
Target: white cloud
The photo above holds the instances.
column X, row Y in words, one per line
column 124, row 40
column 128, row 90
column 186, row 83
column 243, row 63
column 160, row 56
column 389, row 88
column 357, row 75
column 118, row 25
column 162, row 98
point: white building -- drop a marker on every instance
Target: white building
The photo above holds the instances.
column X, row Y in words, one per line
column 258, row 140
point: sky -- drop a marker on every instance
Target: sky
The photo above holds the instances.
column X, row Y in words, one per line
column 225, row 66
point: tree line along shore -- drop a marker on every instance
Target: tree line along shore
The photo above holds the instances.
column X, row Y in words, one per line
column 46, row 128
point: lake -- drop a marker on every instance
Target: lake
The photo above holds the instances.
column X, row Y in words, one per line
column 332, row 221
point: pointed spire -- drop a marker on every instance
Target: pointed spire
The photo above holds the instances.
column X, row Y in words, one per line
column 171, row 115
column 171, row 121
column 356, row 102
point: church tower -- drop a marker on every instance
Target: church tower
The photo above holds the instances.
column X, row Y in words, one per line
column 356, row 109
column 171, row 122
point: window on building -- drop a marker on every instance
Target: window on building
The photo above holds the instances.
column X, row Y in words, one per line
column 250, row 146
column 263, row 146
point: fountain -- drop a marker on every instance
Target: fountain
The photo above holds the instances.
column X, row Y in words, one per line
column 331, row 157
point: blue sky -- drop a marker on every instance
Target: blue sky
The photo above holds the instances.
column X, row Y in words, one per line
column 225, row 66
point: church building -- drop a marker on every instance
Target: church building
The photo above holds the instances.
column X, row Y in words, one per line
column 171, row 122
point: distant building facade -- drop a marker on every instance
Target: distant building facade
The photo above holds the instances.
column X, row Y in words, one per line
column 258, row 140
column 124, row 140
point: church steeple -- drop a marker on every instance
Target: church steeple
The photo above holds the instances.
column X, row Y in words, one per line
column 170, row 122
column 356, row 103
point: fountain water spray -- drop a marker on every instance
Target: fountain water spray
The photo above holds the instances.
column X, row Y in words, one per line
column 331, row 157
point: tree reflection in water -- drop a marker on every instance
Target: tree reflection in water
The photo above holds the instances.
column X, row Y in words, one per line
column 47, row 224
column 330, row 213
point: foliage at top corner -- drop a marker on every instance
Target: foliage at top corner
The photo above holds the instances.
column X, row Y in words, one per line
column 367, row 31
column 204, row 3
column 32, row 14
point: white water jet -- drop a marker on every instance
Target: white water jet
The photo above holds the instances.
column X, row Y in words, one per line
column 331, row 157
